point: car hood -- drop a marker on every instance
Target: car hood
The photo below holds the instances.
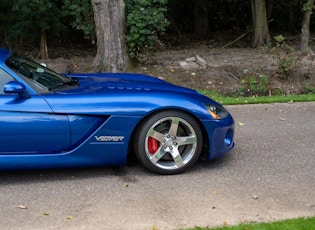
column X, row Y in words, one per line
column 120, row 83
column 124, row 94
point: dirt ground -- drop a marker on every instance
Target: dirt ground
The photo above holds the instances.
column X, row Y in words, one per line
column 229, row 71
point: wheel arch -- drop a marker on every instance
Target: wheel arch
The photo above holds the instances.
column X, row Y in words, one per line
column 205, row 145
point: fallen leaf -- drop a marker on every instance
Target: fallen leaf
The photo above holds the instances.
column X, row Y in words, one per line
column 21, row 206
column 282, row 119
column 69, row 217
column 46, row 213
column 153, row 227
column 255, row 197
column 240, row 123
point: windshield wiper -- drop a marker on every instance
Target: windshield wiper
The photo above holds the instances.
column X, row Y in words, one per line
column 72, row 82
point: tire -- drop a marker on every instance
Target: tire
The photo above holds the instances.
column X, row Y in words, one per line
column 168, row 142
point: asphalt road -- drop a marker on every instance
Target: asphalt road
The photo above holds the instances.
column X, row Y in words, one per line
column 270, row 175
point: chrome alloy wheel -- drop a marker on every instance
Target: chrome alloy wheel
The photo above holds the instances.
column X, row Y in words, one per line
column 171, row 142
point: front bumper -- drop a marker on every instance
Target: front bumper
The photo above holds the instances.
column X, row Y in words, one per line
column 220, row 137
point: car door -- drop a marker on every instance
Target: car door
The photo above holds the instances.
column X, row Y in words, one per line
column 29, row 126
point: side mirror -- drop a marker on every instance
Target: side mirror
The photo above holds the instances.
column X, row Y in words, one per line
column 15, row 87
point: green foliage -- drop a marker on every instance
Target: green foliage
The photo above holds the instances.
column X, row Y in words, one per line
column 259, row 84
column 25, row 20
column 36, row 16
column 145, row 22
column 256, row 85
column 279, row 39
column 239, row 100
column 287, row 61
column 80, row 13
column 222, row 13
column 308, row 89
column 6, row 22
column 292, row 224
column 306, row 6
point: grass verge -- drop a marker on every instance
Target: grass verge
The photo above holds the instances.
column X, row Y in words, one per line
column 257, row 100
column 292, row 224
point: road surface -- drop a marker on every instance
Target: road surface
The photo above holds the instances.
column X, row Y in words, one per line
column 270, row 175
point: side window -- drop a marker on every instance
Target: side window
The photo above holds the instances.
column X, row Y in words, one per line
column 4, row 78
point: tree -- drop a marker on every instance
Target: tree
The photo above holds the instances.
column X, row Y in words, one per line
column 201, row 18
column 146, row 21
column 261, row 29
column 80, row 15
column 305, row 32
column 36, row 18
column 7, row 34
column 109, row 18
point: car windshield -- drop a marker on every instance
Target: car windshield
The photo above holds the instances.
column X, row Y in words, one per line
column 39, row 76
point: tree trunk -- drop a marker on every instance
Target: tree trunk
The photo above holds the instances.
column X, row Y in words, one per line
column 269, row 8
column 109, row 17
column 261, row 36
column 252, row 4
column 43, row 49
column 201, row 18
column 305, row 32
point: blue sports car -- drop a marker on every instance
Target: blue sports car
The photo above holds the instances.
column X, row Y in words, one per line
column 51, row 120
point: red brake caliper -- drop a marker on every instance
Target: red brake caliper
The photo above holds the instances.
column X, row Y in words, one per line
column 153, row 145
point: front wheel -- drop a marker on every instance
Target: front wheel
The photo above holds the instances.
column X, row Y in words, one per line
column 168, row 142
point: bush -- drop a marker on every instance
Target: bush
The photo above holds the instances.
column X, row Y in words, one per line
column 287, row 61
column 146, row 20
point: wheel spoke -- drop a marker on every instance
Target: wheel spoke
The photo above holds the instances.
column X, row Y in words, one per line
column 178, row 160
column 157, row 156
column 174, row 127
column 186, row 140
column 156, row 135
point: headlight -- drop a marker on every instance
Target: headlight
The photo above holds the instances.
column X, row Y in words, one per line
column 217, row 112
